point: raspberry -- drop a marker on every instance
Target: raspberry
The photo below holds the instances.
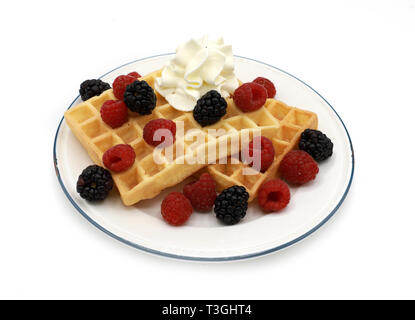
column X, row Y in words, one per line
column 266, row 152
column 152, row 126
column 176, row 209
column 298, row 167
column 114, row 113
column 134, row 74
column 269, row 86
column 250, row 96
column 202, row 193
column 119, row 157
column 94, row 183
column 120, row 84
column 274, row 195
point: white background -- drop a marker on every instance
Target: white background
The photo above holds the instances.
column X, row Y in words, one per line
column 358, row 54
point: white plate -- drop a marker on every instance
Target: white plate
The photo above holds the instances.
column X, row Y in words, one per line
column 203, row 237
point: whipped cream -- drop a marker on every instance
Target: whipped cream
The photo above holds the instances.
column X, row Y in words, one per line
column 198, row 67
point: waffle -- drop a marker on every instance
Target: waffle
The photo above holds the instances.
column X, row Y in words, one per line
column 292, row 122
column 146, row 178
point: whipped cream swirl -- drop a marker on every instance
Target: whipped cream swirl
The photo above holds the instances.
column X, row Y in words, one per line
column 198, row 67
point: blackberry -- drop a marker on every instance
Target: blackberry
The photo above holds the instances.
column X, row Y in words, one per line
column 210, row 108
column 94, row 183
column 231, row 204
column 140, row 97
column 92, row 88
column 316, row 143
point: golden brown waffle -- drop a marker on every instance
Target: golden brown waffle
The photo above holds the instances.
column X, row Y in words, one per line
column 146, row 179
column 292, row 122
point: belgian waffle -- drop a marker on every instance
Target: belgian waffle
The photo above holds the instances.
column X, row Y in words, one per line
column 146, row 178
column 291, row 123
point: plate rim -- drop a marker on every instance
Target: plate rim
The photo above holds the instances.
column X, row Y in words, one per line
column 195, row 258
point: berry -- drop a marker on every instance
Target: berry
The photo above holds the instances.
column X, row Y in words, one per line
column 298, row 167
column 92, row 88
column 120, row 84
column 210, row 108
column 266, row 153
column 94, row 183
column 176, row 208
column 140, row 97
column 114, row 113
column 231, row 205
column 269, row 86
column 250, row 96
column 152, row 126
column 134, row 74
column 316, row 144
column 273, row 195
column 119, row 157
column 201, row 193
